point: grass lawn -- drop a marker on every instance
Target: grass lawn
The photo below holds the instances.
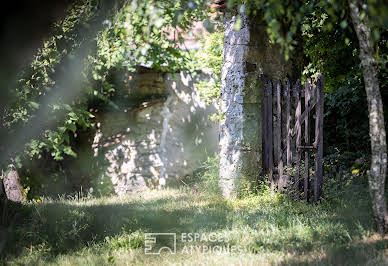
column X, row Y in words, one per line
column 265, row 230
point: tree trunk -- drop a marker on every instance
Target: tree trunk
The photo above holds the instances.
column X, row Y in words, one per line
column 376, row 117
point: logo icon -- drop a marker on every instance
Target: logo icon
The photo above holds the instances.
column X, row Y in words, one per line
column 156, row 242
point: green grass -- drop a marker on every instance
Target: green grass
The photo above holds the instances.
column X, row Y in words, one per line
column 269, row 230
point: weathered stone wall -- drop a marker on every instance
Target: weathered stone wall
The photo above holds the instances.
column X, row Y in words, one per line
column 247, row 54
column 164, row 137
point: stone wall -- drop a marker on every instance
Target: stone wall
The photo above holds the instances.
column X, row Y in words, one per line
column 160, row 133
column 247, row 54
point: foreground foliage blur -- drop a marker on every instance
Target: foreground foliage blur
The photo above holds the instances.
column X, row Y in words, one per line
column 74, row 72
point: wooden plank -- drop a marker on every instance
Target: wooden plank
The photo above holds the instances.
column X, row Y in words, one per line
column 307, row 140
column 298, row 141
column 264, row 125
column 318, row 143
column 288, row 133
column 268, row 131
column 270, row 135
column 279, row 134
column 306, row 147
column 303, row 117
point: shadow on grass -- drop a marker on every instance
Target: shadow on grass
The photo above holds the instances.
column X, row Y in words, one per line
column 290, row 227
column 361, row 253
column 63, row 227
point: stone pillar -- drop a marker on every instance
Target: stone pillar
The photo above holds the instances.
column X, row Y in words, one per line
column 247, row 54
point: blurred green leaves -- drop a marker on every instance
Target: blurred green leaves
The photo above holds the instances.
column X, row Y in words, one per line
column 133, row 33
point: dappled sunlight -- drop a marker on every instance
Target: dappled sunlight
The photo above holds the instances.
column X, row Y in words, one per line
column 148, row 132
column 163, row 138
column 268, row 228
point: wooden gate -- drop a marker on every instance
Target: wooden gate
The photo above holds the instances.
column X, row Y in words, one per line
column 287, row 147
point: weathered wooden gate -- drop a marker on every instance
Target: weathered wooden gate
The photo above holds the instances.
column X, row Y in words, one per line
column 286, row 158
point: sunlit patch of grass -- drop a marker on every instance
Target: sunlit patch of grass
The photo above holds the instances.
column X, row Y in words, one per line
column 270, row 229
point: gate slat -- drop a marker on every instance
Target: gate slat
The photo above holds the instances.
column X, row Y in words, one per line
column 303, row 116
column 298, row 141
column 288, row 133
column 318, row 143
column 264, row 125
column 268, row 131
column 279, row 132
column 307, row 140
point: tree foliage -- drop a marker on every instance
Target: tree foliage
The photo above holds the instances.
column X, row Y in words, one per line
column 98, row 37
column 209, row 59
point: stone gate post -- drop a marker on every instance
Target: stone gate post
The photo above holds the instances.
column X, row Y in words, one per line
column 247, row 54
